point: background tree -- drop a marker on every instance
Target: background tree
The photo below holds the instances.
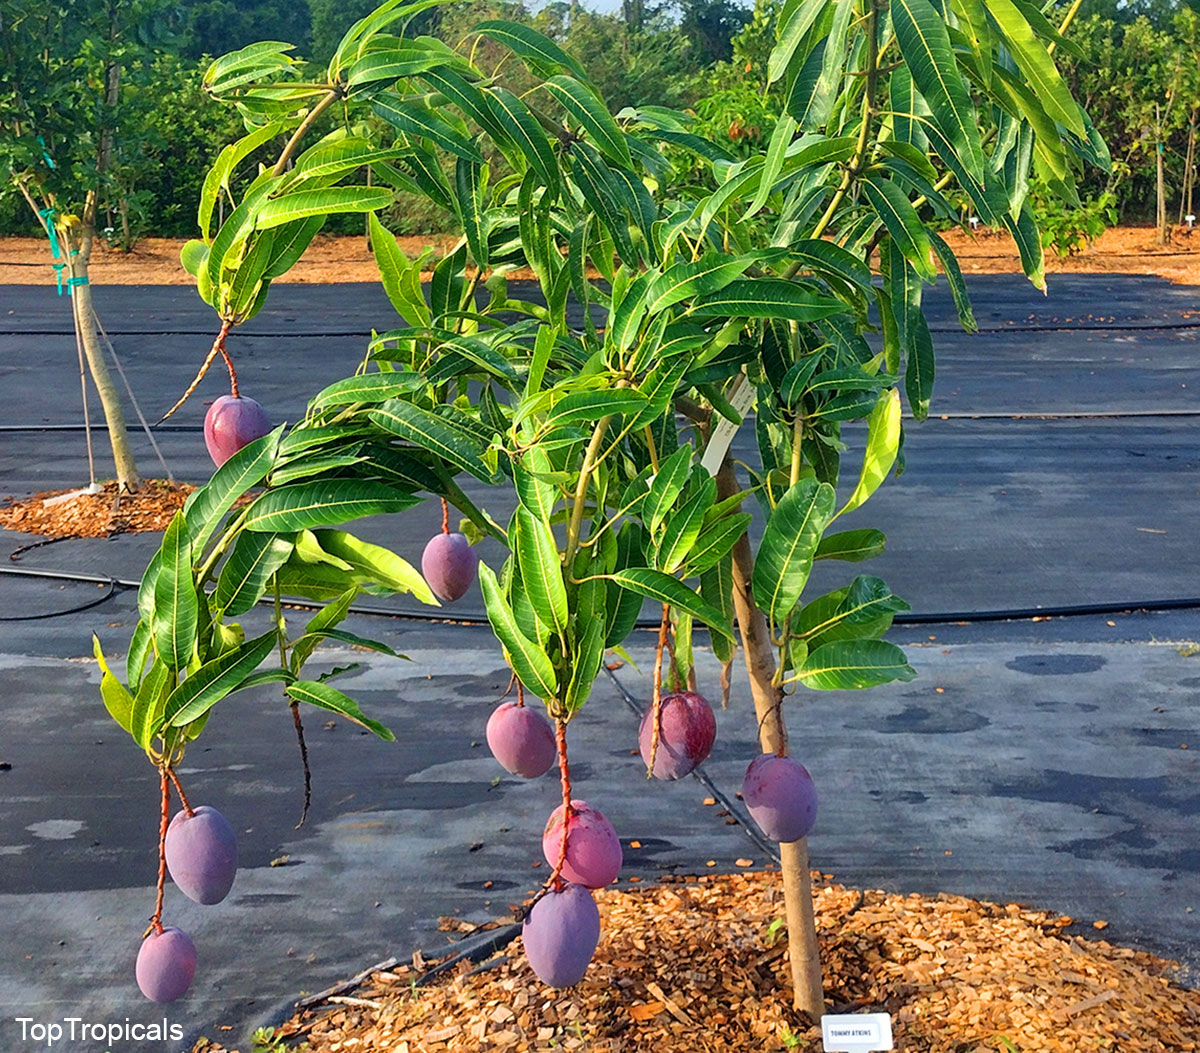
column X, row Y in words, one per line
column 69, row 76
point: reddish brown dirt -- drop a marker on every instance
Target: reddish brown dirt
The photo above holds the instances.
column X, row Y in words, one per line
column 699, row 965
column 155, row 261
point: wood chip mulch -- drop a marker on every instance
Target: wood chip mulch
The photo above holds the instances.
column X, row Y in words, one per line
column 96, row 515
column 696, row 965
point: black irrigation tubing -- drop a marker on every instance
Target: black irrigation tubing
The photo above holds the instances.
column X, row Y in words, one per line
column 1090, row 327
column 939, row 618
column 1080, row 414
column 101, row 580
column 701, row 776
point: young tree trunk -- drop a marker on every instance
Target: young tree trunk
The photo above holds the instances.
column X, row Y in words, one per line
column 1189, row 172
column 803, row 951
column 85, row 318
column 1161, row 219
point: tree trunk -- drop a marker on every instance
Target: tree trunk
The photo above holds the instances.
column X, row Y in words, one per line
column 85, row 319
column 803, row 951
column 1163, row 237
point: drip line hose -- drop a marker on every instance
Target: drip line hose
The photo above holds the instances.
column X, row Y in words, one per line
column 103, row 579
column 1091, row 327
column 955, row 415
column 1070, row 610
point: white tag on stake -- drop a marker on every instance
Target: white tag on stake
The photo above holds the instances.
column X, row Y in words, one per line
column 856, row 1032
column 741, row 396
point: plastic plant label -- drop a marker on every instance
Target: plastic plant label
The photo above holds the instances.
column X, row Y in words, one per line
column 741, row 397
column 856, row 1032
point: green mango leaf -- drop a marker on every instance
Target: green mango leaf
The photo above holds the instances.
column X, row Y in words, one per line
column 958, row 287
column 514, row 115
column 852, row 546
column 401, row 277
column 433, row 433
column 303, row 203
column 531, row 664
column 146, row 718
column 468, row 203
column 540, row 567
column 367, row 387
column 846, row 665
column 789, row 543
column 321, row 695
column 1036, row 65
column 901, row 221
column 862, row 610
column 766, row 298
column 584, row 407
column 795, row 21
column 380, row 565
column 249, row 568
column 668, row 484
column 683, row 527
column 716, row 587
column 415, row 120
column 206, row 507
column 214, row 680
column 826, row 257
column 925, row 45
column 582, row 104
column 715, row 542
column 709, row 274
column 538, row 52
column 352, row 639
column 141, row 648
column 115, row 695
column 301, row 506
column 329, row 616
column 175, row 604
column 589, row 654
column 623, row 606
column 665, row 589
column 883, row 443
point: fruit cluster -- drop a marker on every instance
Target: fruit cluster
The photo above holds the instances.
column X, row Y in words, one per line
column 562, row 925
column 199, row 850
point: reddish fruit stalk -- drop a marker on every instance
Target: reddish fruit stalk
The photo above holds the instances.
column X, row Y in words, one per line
column 656, row 704
column 179, row 790
column 564, row 770
column 156, row 922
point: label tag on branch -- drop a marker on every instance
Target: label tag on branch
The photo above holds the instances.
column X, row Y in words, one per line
column 856, row 1032
column 741, row 398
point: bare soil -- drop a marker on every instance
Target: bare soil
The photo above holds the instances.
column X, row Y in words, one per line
column 155, row 261
column 699, row 965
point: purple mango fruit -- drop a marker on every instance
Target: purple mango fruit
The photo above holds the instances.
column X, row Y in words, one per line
column 521, row 739
column 781, row 797
column 166, row 965
column 449, row 565
column 230, row 424
column 560, row 935
column 202, row 854
column 687, row 730
column 593, row 850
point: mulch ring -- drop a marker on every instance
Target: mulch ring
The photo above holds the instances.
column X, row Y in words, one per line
column 694, row 965
column 101, row 514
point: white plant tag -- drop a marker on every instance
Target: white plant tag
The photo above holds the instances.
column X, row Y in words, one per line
column 741, row 397
column 856, row 1032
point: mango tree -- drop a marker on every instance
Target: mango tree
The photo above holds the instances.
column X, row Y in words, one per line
column 782, row 294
